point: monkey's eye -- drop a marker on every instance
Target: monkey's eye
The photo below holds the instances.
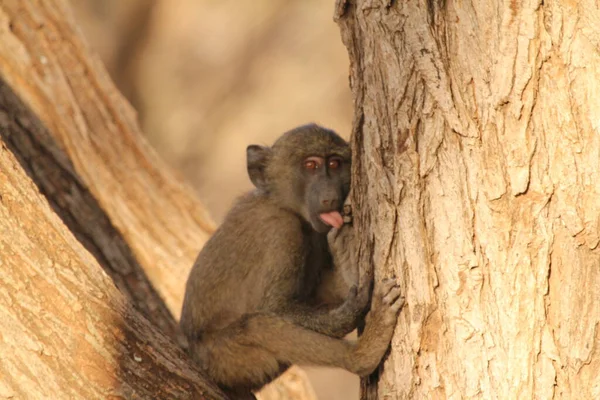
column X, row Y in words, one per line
column 312, row 163
column 334, row 162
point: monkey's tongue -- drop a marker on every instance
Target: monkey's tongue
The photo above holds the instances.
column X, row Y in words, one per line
column 333, row 218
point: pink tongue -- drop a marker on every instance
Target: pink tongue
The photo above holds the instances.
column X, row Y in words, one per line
column 333, row 218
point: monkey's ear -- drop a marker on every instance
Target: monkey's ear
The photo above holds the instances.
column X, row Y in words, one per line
column 258, row 158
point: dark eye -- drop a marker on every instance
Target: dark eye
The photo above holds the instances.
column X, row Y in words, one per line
column 334, row 163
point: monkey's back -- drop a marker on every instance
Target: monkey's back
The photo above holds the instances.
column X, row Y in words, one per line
column 222, row 286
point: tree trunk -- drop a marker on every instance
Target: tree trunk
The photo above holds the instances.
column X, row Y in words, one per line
column 476, row 181
column 63, row 126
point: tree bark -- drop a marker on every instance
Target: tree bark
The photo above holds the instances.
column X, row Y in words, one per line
column 52, row 70
column 67, row 331
column 64, row 127
column 476, row 181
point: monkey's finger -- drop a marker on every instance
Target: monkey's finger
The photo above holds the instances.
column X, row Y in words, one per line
column 333, row 234
column 386, row 285
column 348, row 204
column 392, row 295
column 398, row 304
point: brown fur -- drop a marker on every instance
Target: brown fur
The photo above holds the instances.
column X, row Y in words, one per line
column 264, row 294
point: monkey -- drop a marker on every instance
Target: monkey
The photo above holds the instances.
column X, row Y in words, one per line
column 265, row 293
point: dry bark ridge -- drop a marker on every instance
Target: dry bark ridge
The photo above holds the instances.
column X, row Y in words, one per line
column 477, row 125
column 66, row 133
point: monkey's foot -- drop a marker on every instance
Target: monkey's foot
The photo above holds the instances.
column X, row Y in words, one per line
column 387, row 301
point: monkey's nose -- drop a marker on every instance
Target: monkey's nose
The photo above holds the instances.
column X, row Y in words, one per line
column 330, row 203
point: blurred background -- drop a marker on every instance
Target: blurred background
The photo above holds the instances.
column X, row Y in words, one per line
column 209, row 77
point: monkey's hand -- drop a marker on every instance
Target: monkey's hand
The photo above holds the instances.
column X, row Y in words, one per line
column 386, row 304
column 346, row 217
column 380, row 324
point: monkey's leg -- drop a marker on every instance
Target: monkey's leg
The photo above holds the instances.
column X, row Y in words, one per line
column 249, row 354
column 363, row 356
column 253, row 351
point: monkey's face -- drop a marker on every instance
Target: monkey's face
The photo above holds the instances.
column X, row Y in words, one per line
column 308, row 171
column 327, row 181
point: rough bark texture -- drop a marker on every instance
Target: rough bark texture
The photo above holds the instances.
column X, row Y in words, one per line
column 476, row 128
column 70, row 332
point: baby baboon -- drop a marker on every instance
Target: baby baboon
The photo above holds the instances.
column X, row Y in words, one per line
column 254, row 300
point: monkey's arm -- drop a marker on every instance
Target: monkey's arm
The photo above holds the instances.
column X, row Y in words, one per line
column 334, row 322
column 344, row 274
column 284, row 269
